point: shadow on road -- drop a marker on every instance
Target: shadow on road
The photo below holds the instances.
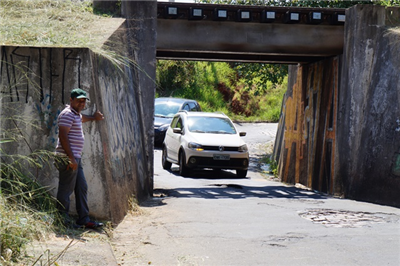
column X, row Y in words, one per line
column 235, row 191
column 207, row 173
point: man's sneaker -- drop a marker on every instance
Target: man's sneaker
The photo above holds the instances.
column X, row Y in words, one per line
column 93, row 225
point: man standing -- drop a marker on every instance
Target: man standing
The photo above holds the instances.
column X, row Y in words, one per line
column 69, row 149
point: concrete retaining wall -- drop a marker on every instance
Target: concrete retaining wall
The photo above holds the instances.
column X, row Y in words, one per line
column 36, row 82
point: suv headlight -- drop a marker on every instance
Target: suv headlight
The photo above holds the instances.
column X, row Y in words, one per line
column 243, row 148
column 195, row 146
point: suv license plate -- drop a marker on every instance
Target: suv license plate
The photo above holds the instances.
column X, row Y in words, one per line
column 221, row 157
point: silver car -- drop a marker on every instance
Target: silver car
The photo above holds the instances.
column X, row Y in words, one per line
column 164, row 110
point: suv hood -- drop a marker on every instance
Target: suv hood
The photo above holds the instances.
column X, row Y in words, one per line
column 217, row 139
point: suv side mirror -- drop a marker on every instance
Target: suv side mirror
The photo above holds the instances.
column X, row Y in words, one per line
column 242, row 134
column 177, row 130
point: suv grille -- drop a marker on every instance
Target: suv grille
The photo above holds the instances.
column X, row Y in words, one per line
column 216, row 148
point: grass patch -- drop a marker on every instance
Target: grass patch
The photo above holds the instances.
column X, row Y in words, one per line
column 272, row 164
column 60, row 23
column 134, row 207
column 27, row 211
column 267, row 159
column 19, row 225
column 53, row 23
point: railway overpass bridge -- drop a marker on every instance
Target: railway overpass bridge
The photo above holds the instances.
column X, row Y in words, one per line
column 342, row 85
column 210, row 32
column 339, row 129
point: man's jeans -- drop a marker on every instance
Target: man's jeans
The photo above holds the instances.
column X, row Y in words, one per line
column 72, row 181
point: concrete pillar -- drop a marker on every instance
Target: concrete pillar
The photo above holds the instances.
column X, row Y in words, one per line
column 142, row 22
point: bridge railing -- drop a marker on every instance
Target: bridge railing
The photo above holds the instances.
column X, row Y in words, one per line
column 253, row 14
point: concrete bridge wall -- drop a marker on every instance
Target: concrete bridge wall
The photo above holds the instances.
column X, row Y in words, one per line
column 340, row 126
column 118, row 152
column 368, row 143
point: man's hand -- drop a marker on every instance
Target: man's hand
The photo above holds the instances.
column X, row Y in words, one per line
column 72, row 165
column 95, row 117
column 98, row 116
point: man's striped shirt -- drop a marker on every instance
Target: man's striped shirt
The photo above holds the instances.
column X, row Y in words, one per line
column 70, row 118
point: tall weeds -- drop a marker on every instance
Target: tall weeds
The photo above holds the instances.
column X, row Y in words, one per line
column 27, row 211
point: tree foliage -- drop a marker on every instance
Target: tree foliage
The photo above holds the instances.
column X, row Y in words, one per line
column 260, row 75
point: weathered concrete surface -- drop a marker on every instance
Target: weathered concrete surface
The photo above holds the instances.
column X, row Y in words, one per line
column 142, row 25
column 368, row 142
column 278, row 42
column 340, row 134
column 36, row 82
column 205, row 38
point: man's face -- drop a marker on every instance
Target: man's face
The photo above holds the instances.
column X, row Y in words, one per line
column 78, row 104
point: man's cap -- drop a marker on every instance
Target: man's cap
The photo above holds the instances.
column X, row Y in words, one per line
column 79, row 94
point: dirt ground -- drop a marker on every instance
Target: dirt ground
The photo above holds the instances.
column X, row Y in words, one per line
column 82, row 247
column 103, row 247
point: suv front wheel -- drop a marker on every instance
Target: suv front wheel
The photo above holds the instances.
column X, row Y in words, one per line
column 165, row 164
column 241, row 173
column 183, row 169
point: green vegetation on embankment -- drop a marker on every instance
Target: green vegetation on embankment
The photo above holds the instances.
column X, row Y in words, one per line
column 243, row 91
column 55, row 23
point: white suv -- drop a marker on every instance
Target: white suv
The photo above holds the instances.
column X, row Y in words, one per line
column 204, row 140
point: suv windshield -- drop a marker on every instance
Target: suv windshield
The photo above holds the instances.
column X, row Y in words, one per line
column 166, row 109
column 215, row 125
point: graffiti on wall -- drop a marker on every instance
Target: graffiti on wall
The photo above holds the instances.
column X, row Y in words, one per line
column 42, row 78
column 125, row 140
column 39, row 73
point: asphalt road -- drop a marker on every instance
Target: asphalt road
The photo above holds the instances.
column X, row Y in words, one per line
column 214, row 218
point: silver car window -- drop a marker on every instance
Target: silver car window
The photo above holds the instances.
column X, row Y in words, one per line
column 193, row 106
column 166, row 109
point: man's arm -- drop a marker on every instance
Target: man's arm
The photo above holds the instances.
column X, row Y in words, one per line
column 96, row 116
column 63, row 136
